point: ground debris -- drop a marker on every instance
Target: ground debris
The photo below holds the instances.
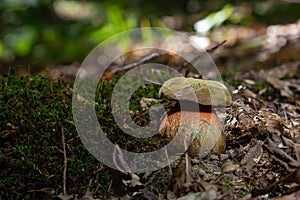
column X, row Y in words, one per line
column 263, row 137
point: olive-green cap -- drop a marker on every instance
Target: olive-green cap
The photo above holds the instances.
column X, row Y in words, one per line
column 205, row 92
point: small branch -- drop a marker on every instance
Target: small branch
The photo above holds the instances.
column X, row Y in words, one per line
column 119, row 156
column 212, row 49
column 186, row 160
column 65, row 162
column 293, row 177
column 150, row 81
column 8, row 75
column 169, row 163
column 135, row 64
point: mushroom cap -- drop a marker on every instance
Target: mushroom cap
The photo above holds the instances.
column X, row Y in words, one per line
column 205, row 92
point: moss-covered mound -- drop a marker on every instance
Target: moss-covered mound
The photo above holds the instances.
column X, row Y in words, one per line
column 34, row 113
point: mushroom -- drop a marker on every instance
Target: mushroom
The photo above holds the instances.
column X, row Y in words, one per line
column 194, row 114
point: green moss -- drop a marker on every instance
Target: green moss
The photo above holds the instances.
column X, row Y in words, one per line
column 34, row 110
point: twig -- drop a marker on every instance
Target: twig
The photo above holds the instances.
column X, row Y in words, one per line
column 8, row 75
column 135, row 64
column 293, row 177
column 186, row 160
column 212, row 49
column 169, row 163
column 65, row 162
column 151, row 81
column 289, row 162
column 119, row 156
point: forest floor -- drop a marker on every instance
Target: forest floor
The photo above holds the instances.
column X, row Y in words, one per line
column 42, row 156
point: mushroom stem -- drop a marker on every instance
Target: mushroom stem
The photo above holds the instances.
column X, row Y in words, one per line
column 198, row 122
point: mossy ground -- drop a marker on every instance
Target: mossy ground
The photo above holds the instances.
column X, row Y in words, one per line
column 34, row 112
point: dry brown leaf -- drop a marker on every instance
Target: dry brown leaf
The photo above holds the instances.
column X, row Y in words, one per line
column 253, row 156
column 275, row 75
column 229, row 166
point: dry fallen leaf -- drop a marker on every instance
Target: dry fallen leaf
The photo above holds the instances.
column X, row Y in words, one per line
column 253, row 156
column 275, row 75
column 229, row 166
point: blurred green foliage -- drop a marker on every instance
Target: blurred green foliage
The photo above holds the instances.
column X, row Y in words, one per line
column 39, row 32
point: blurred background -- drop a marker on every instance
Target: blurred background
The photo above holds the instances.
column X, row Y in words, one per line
column 41, row 34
